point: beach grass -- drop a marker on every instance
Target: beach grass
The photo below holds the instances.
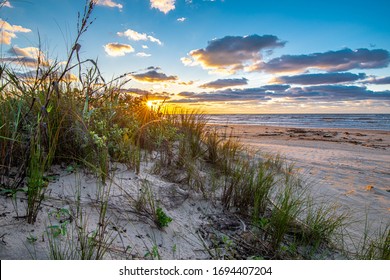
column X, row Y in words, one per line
column 49, row 120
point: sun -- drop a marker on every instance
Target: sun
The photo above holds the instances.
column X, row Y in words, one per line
column 154, row 105
column 150, row 104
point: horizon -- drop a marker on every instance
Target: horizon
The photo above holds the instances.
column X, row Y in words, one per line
column 219, row 56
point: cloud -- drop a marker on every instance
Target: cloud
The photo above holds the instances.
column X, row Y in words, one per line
column 149, row 94
column 320, row 78
column 378, row 81
column 326, row 93
column 109, row 3
column 164, row 6
column 136, row 36
column 33, row 75
column 28, row 57
column 153, row 76
column 145, row 47
column 23, row 61
column 331, row 61
column 334, row 93
column 232, row 53
column 225, row 95
column 183, row 83
column 182, row 19
column 116, row 49
column 8, row 31
column 142, row 54
column 27, row 52
column 6, row 4
column 223, row 83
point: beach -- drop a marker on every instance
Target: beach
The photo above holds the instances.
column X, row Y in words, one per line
column 348, row 166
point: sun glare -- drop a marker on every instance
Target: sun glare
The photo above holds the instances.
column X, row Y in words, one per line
column 150, row 104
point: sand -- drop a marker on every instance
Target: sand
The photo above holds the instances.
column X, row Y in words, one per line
column 132, row 230
column 350, row 167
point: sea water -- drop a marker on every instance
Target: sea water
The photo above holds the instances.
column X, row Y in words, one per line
column 357, row 121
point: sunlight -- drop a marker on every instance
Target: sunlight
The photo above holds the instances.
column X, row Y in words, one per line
column 150, row 104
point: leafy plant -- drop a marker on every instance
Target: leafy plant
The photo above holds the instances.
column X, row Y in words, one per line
column 162, row 220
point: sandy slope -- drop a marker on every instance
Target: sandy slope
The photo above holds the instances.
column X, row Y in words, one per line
column 131, row 229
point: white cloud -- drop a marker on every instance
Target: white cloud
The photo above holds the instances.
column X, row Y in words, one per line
column 188, row 61
column 7, row 31
column 142, row 54
column 136, row 36
column 133, row 35
column 163, row 5
column 116, row 49
column 145, row 47
column 154, row 40
column 109, row 3
column 182, row 19
column 6, row 4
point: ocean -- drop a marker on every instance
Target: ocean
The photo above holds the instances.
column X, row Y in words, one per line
column 357, row 121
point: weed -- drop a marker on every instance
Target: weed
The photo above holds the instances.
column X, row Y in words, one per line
column 287, row 206
column 32, row 239
column 162, row 220
column 153, row 253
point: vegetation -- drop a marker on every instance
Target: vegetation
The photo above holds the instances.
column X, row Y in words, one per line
column 47, row 119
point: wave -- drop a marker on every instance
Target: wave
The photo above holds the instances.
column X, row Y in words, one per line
column 361, row 121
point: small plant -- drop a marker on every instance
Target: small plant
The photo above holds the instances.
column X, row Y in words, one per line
column 284, row 214
column 32, row 239
column 153, row 253
column 162, row 220
column 376, row 246
column 12, row 193
column 60, row 229
column 320, row 222
column 146, row 205
column 36, row 185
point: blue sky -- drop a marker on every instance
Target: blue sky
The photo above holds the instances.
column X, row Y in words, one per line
column 235, row 56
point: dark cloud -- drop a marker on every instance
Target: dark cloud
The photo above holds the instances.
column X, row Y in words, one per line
column 275, row 88
column 331, row 61
column 33, row 75
column 27, row 57
column 334, row 93
column 324, row 93
column 321, row 78
column 154, row 76
column 146, row 93
column 233, row 53
column 378, row 81
column 223, row 83
column 225, row 95
column 153, row 68
column 25, row 61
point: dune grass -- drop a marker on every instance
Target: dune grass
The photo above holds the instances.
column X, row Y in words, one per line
column 48, row 119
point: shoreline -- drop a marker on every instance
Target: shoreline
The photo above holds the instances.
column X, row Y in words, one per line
column 363, row 137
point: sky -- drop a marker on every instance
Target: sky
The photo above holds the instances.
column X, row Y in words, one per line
column 219, row 56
